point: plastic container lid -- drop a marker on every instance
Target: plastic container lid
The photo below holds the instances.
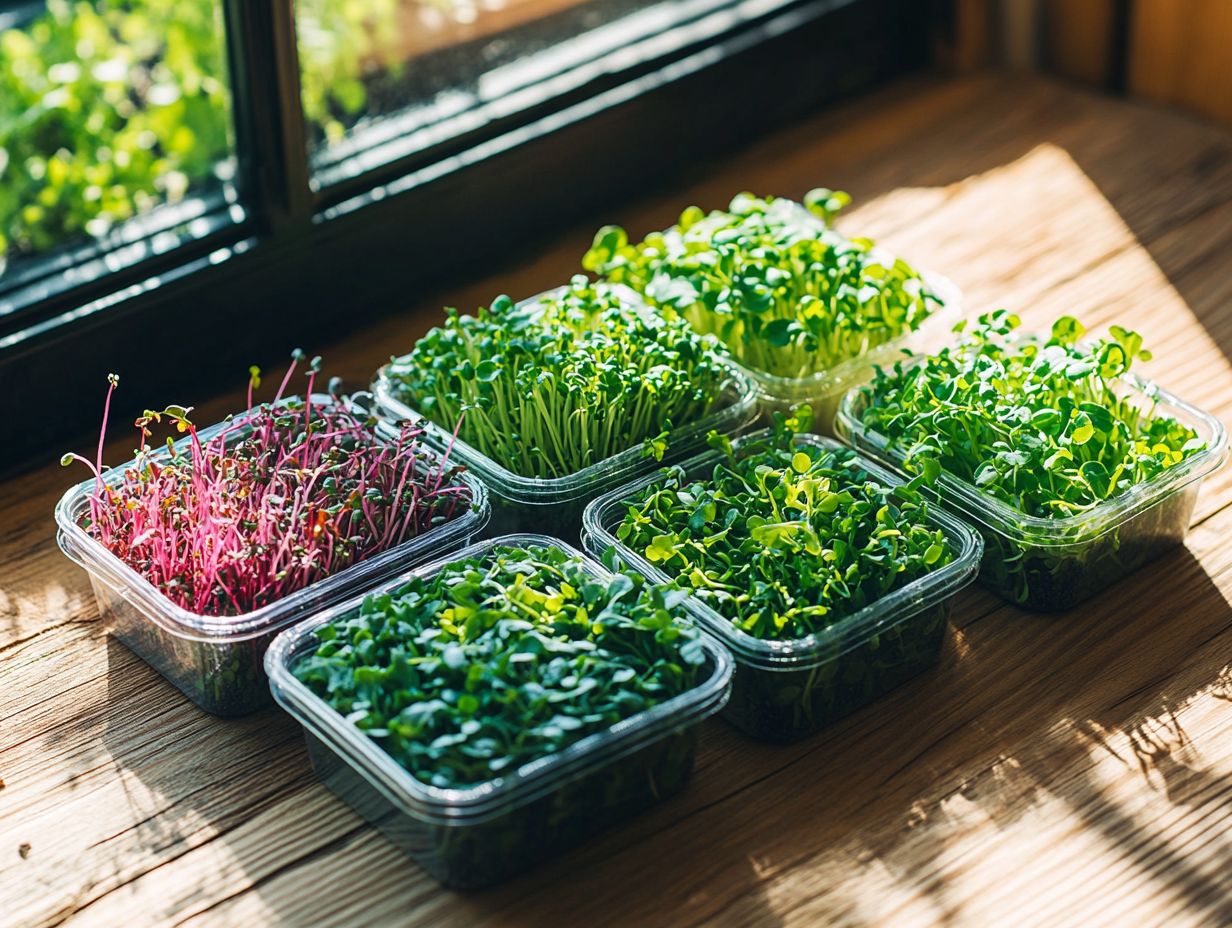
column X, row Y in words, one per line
column 127, row 583
column 475, row 804
column 604, row 514
column 999, row 516
column 737, row 408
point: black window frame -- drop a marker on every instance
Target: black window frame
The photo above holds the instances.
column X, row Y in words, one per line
column 189, row 318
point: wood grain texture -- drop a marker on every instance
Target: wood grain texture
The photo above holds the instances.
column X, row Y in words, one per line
column 1179, row 54
column 1079, row 39
column 973, row 40
column 1069, row 769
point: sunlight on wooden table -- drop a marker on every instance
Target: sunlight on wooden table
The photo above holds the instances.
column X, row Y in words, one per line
column 1070, row 767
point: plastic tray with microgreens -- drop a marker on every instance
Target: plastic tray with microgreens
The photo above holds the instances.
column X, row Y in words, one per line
column 201, row 550
column 1075, row 470
column 804, row 310
column 555, row 399
column 500, row 705
column 828, row 578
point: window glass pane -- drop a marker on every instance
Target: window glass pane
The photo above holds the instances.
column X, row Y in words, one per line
column 114, row 120
column 382, row 79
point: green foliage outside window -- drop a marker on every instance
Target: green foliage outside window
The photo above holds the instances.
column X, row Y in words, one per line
column 106, row 111
column 109, row 109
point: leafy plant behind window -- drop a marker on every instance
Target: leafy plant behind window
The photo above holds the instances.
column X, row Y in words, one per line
column 111, row 109
column 106, row 111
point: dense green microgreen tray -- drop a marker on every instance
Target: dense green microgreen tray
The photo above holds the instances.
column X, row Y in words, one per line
column 788, row 538
column 500, row 659
column 787, row 295
column 1056, row 433
column 547, row 390
column 1042, row 424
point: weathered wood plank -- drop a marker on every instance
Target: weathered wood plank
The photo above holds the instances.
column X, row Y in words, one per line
column 1071, row 768
column 1178, row 55
column 1080, row 40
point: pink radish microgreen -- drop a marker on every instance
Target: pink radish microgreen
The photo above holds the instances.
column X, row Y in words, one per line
column 285, row 494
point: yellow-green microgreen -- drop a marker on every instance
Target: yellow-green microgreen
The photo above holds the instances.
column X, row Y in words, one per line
column 1044, row 424
column 784, row 539
column 786, row 294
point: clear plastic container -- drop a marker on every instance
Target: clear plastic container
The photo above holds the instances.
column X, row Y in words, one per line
column 216, row 660
column 785, row 690
column 472, row 837
column 527, row 504
column 1049, row 565
column 823, row 390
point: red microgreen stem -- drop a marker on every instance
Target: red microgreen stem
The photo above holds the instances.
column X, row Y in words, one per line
column 280, row 497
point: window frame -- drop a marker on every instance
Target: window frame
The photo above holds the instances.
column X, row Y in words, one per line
column 296, row 255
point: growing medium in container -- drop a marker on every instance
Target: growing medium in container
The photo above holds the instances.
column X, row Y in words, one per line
column 784, row 292
column 1048, row 442
column 472, row 675
column 549, row 389
column 785, row 538
column 277, row 499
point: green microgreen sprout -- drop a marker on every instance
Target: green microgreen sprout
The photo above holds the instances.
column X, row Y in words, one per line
column 783, row 538
column 548, row 390
column 500, row 659
column 785, row 293
column 1044, row 424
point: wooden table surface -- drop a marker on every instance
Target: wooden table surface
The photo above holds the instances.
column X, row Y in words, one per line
column 1070, row 768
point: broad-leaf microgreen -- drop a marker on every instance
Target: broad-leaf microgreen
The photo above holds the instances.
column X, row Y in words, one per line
column 547, row 391
column 1054, row 428
column 1043, row 424
column 787, row 295
column 500, row 659
column 784, row 539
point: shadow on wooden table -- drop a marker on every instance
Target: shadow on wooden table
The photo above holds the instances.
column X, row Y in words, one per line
column 881, row 816
column 1090, row 711
column 908, row 807
column 198, row 786
column 1025, row 715
column 905, row 809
